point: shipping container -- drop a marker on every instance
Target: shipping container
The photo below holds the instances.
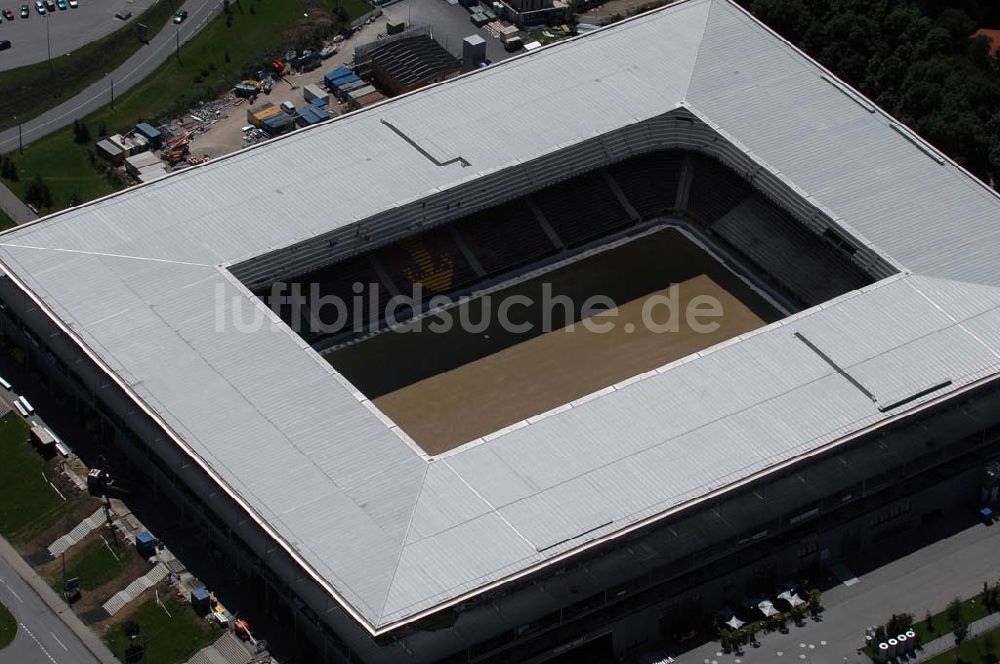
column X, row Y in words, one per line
column 369, row 99
column 258, row 114
column 344, row 91
column 339, row 72
column 361, row 92
column 277, row 124
column 310, row 115
column 313, row 92
column 346, row 82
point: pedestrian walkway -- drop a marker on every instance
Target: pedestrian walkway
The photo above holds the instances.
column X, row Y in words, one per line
column 945, row 643
column 919, row 582
column 134, row 589
column 82, row 529
column 228, row 649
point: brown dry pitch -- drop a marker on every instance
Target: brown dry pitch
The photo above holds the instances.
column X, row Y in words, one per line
column 456, row 406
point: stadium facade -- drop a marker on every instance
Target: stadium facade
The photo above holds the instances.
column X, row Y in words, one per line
column 869, row 409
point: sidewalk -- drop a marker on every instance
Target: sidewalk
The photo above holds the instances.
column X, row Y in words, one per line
column 945, row 643
column 14, row 206
column 56, row 604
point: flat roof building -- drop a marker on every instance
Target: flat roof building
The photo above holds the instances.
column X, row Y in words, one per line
column 589, row 518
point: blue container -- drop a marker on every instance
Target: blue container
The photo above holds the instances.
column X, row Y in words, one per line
column 339, row 72
column 145, row 544
column 278, row 123
column 201, row 601
column 151, row 133
column 338, row 83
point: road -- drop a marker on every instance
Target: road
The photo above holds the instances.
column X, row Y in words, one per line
column 68, row 29
column 133, row 70
column 42, row 636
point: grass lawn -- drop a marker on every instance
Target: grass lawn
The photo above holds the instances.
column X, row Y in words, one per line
column 355, row 8
column 27, row 502
column 32, row 89
column 972, row 610
column 168, row 640
column 212, row 61
column 8, row 627
column 65, row 167
column 973, row 651
column 95, row 565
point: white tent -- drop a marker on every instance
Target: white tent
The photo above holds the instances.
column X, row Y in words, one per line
column 790, row 597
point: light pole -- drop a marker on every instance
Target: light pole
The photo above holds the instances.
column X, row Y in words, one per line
column 112, row 89
column 20, row 143
column 48, row 42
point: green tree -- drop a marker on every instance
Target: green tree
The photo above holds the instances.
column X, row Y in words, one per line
column 961, row 633
column 954, row 611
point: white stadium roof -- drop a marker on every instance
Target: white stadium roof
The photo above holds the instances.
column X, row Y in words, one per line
column 135, row 278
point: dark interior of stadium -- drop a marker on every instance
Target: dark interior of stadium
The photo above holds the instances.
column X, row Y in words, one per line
column 594, row 234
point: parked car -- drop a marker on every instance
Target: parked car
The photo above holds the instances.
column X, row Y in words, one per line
column 74, row 4
column 180, row 15
column 4, row 44
column 61, row 4
column 8, row 14
column 40, row 7
column 25, row 11
column 50, row 5
column 123, row 16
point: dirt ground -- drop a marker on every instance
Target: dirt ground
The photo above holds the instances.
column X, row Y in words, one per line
column 226, row 135
column 454, row 407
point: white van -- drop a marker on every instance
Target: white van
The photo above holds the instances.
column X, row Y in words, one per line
column 27, row 405
column 20, row 408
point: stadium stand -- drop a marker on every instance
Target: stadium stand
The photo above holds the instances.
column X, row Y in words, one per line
column 650, row 181
column 715, row 190
column 432, row 259
column 505, row 237
column 338, row 280
column 581, row 209
column 770, row 238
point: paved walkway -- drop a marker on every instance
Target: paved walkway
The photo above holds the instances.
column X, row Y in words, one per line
column 81, row 530
column 226, row 650
column 925, row 580
column 136, row 588
column 14, row 206
column 947, row 642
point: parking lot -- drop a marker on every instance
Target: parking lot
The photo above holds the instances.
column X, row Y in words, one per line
column 68, row 29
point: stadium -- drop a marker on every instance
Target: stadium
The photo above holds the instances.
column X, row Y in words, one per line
column 532, row 496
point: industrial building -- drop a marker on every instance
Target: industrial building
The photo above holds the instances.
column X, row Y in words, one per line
column 861, row 403
column 407, row 61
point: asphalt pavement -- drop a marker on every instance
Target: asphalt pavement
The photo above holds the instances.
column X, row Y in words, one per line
column 42, row 636
column 141, row 64
column 68, row 29
column 925, row 580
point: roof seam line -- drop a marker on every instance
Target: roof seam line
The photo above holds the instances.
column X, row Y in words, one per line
column 958, row 323
column 108, row 255
column 402, row 547
column 493, row 509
